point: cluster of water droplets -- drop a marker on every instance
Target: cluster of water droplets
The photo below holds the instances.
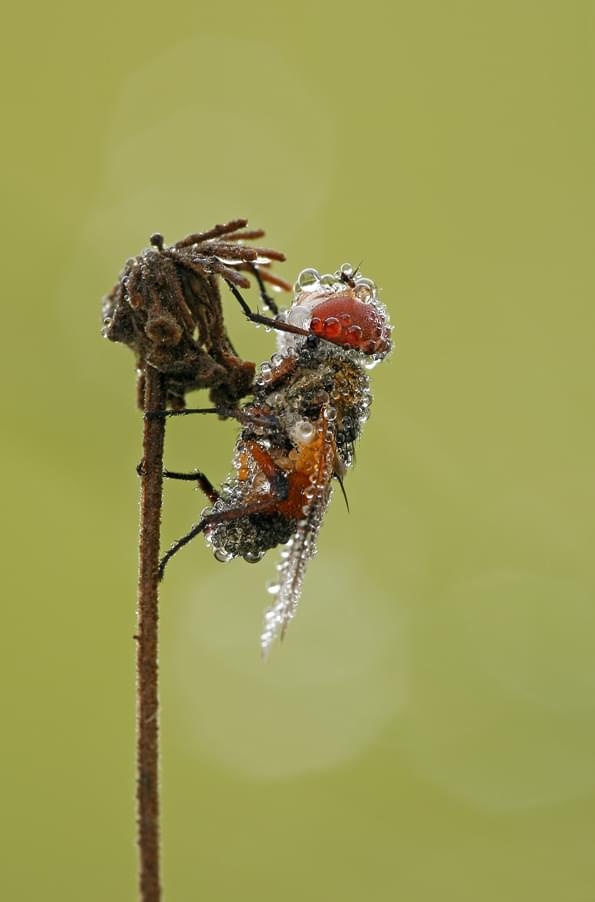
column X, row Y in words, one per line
column 229, row 496
column 311, row 280
column 363, row 408
column 265, row 373
column 301, row 547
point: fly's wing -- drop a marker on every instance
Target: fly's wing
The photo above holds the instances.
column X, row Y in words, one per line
column 302, row 545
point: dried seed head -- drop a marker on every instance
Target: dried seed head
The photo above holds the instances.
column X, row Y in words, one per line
column 166, row 306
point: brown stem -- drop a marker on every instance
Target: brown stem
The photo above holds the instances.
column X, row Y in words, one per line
column 147, row 791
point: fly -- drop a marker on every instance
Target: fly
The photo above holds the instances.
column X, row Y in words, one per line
column 309, row 404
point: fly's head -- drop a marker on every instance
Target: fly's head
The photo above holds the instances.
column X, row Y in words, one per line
column 344, row 309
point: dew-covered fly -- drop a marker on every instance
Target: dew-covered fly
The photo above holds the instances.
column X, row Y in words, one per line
column 310, row 401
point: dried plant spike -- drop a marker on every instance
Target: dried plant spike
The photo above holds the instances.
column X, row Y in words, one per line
column 246, row 235
column 215, row 232
column 167, row 308
column 266, row 276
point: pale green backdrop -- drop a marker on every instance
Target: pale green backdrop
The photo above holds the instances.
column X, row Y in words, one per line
column 427, row 732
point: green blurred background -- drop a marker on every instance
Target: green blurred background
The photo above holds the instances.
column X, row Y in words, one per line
column 427, row 731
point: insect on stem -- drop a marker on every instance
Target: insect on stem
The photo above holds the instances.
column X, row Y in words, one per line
column 166, row 306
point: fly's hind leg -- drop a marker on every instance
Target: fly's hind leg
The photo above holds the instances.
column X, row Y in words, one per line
column 266, row 504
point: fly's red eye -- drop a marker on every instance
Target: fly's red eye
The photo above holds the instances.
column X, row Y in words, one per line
column 346, row 320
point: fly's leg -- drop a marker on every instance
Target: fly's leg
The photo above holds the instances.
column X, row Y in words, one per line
column 267, row 504
column 203, row 482
column 265, row 298
column 272, row 323
column 265, row 320
column 242, row 416
column 281, row 372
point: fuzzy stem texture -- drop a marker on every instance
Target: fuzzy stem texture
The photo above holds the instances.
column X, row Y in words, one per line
column 147, row 639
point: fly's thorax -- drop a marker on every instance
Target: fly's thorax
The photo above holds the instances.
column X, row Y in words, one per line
column 320, row 379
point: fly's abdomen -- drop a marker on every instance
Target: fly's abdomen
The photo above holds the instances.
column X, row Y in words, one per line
column 250, row 536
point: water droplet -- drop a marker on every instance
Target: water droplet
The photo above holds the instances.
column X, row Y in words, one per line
column 273, row 588
column 354, row 333
column 221, row 555
column 365, row 289
column 253, row 557
column 302, row 432
column 308, row 279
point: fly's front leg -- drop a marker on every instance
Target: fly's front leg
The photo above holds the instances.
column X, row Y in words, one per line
column 264, row 296
column 265, row 320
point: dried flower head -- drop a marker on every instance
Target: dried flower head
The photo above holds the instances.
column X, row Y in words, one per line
column 166, row 306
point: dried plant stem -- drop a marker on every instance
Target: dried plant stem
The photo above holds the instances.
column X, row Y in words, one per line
column 147, row 639
column 166, row 306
